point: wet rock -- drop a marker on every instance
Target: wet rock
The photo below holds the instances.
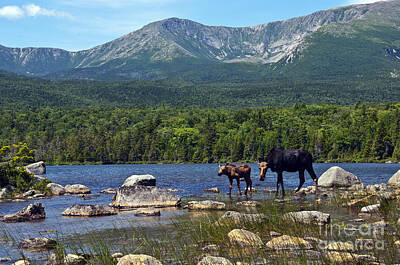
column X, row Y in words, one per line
column 37, row 244
column 394, row 181
column 77, row 189
column 138, row 260
column 21, row 262
column 309, row 217
column 145, row 180
column 32, row 212
column 244, row 238
column 6, row 192
column 206, row 205
column 73, row 259
column 210, row 260
column 38, row 168
column 236, row 217
column 144, row 196
column 248, row 203
column 371, row 208
column 147, row 212
column 338, row 177
column 212, row 190
column 56, row 189
column 340, row 246
column 109, row 191
column 89, row 210
column 288, row 243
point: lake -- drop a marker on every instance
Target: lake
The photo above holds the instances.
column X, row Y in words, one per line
column 189, row 179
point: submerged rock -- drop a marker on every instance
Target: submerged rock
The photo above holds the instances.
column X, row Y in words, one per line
column 32, row 212
column 206, row 205
column 147, row 212
column 144, row 196
column 37, row 244
column 244, row 238
column 236, row 217
column 109, row 191
column 56, row 189
column 288, row 243
column 309, row 217
column 138, row 260
column 38, row 168
column 394, row 181
column 145, row 180
column 77, row 189
column 248, row 203
column 212, row 190
column 210, row 260
column 89, row 210
column 338, row 177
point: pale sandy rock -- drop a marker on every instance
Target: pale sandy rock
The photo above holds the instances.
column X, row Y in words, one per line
column 309, row 217
column 244, row 238
column 77, row 189
column 56, row 189
column 210, row 260
column 206, row 205
column 138, row 260
column 286, row 242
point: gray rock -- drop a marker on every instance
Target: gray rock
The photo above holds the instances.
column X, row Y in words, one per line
column 374, row 208
column 309, row 217
column 21, row 262
column 56, row 189
column 145, row 180
column 77, row 189
column 395, row 180
column 39, row 178
column 89, row 210
column 147, row 212
column 210, row 260
column 32, row 212
column 236, row 217
column 338, row 177
column 37, row 244
column 29, row 193
column 109, row 191
column 6, row 192
column 144, row 196
column 206, row 205
column 38, row 168
column 138, row 260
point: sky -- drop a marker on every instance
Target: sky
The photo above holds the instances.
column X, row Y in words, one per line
column 82, row 24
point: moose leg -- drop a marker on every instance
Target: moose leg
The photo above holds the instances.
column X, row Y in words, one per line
column 301, row 178
column 238, row 184
column 248, row 184
column 310, row 171
column 280, row 179
column 230, row 185
column 277, row 186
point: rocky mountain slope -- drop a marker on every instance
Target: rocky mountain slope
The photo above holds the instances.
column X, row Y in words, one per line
column 177, row 47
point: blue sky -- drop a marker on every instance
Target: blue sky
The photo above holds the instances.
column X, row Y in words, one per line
column 81, row 24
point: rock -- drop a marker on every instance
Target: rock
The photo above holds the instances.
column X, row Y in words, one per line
column 77, row 189
column 147, row 212
column 138, row 260
column 309, row 217
column 117, row 255
column 144, row 196
column 362, row 201
column 73, row 259
column 244, row 238
column 248, row 203
column 212, row 249
column 56, row 189
column 38, row 168
column 236, row 217
column 338, row 177
column 274, row 234
column 29, row 193
column 397, row 244
column 206, row 205
column 6, row 192
column 32, row 212
column 21, row 262
column 210, row 260
column 377, row 188
column 394, row 181
column 109, row 191
column 212, row 190
column 39, row 195
column 288, row 243
column 4, row 260
column 89, row 210
column 340, row 257
column 37, row 244
column 39, row 178
column 371, row 208
column 145, row 180
column 340, row 246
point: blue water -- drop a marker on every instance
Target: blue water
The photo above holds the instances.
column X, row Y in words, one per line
column 189, row 179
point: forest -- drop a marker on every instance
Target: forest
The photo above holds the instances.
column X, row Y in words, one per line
column 359, row 133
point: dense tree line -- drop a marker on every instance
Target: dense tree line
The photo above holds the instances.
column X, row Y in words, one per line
column 329, row 132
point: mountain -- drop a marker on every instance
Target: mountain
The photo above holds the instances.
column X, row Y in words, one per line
column 344, row 41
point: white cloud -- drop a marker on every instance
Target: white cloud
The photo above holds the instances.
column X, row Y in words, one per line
column 31, row 10
column 353, row 2
column 11, row 12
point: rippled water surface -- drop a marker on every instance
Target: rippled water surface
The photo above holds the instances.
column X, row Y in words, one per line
column 189, row 179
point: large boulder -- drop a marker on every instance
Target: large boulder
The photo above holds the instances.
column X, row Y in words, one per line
column 244, row 238
column 210, row 260
column 32, row 212
column 145, row 180
column 144, row 196
column 338, row 177
column 6, row 192
column 77, row 189
column 206, row 205
column 288, row 243
column 236, row 217
column 138, row 260
column 38, row 168
column 37, row 244
column 394, row 181
column 309, row 217
column 89, row 210
column 56, row 189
